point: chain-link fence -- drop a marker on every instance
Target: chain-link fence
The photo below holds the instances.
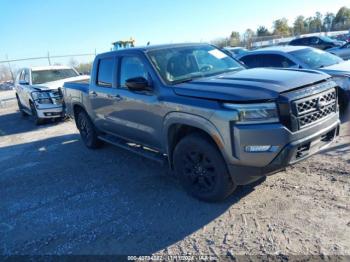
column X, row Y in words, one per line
column 9, row 67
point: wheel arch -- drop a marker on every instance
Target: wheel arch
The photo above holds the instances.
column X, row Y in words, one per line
column 76, row 108
column 178, row 125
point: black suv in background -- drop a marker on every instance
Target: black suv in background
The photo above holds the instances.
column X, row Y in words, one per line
column 320, row 42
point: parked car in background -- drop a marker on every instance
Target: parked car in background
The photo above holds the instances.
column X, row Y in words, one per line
column 342, row 51
column 217, row 124
column 235, row 51
column 320, row 42
column 304, row 58
column 343, row 37
column 8, row 85
column 38, row 90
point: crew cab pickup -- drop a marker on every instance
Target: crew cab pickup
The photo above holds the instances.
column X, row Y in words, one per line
column 38, row 90
column 217, row 124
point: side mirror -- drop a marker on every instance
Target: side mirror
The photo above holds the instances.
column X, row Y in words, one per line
column 296, row 67
column 138, row 84
column 23, row 82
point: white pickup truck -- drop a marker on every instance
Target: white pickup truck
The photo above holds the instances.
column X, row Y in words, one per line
column 38, row 90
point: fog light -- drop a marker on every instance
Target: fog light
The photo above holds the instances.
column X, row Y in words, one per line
column 253, row 149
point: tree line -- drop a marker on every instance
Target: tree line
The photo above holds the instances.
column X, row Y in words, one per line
column 301, row 25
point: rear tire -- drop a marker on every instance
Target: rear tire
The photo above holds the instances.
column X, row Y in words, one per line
column 87, row 130
column 37, row 120
column 201, row 169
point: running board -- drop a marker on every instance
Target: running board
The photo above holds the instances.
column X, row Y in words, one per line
column 135, row 148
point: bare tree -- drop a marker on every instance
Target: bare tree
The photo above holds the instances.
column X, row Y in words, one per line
column 5, row 73
column 73, row 63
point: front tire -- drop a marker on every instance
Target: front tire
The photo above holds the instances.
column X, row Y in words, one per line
column 37, row 120
column 201, row 169
column 87, row 131
column 20, row 107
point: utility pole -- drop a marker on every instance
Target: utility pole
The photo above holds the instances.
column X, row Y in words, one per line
column 48, row 58
column 12, row 76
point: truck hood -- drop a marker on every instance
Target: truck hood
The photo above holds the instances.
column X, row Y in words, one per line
column 59, row 83
column 337, row 69
column 249, row 85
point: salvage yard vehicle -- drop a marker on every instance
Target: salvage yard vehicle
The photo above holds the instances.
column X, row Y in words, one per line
column 320, row 42
column 38, row 91
column 342, row 51
column 217, row 124
column 307, row 58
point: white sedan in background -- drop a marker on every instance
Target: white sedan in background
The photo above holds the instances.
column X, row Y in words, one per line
column 38, row 90
column 342, row 51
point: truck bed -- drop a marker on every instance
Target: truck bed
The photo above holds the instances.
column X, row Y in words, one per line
column 80, row 85
column 75, row 92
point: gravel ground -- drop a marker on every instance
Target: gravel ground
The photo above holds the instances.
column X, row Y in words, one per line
column 57, row 197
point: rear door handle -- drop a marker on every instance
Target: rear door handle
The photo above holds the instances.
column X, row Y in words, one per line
column 115, row 97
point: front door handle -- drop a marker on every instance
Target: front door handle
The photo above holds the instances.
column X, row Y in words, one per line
column 115, row 97
column 93, row 93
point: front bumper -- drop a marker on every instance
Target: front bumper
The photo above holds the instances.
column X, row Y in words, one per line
column 49, row 111
column 304, row 144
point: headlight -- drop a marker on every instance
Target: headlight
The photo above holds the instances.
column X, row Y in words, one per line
column 42, row 97
column 255, row 113
column 342, row 82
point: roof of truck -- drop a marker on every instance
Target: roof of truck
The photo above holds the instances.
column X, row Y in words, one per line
column 154, row 47
column 43, row 68
column 284, row 49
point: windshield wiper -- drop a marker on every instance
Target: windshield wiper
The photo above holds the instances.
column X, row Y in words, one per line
column 188, row 79
column 183, row 81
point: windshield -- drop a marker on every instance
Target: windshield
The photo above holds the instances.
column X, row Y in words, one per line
column 326, row 39
column 236, row 51
column 180, row 64
column 315, row 58
column 44, row 76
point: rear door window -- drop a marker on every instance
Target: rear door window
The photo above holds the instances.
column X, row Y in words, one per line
column 21, row 76
column 267, row 60
column 297, row 42
column 250, row 61
column 105, row 72
column 26, row 76
column 314, row 40
column 272, row 60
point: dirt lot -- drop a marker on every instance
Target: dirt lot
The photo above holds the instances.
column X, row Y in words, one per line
column 57, row 197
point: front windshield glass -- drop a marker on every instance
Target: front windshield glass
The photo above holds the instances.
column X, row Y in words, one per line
column 44, row 76
column 326, row 39
column 315, row 58
column 181, row 64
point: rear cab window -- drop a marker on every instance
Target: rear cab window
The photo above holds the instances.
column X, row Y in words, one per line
column 250, row 61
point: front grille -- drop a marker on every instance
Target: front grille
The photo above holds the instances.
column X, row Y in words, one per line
column 56, row 97
column 314, row 108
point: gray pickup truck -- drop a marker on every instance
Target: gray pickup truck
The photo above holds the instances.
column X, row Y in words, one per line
column 217, row 124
